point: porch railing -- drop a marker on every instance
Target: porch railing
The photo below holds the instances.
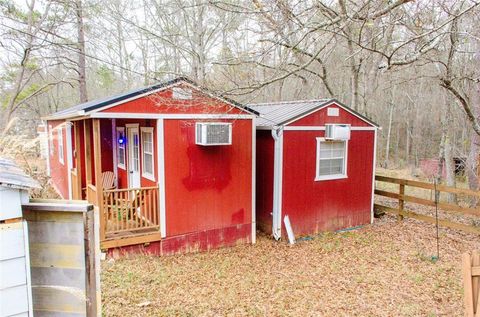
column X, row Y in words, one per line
column 92, row 194
column 130, row 211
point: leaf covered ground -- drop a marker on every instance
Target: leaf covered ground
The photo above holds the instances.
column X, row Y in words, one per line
column 384, row 269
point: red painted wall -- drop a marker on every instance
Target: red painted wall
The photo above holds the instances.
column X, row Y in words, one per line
column 264, row 179
column 315, row 206
column 58, row 171
column 162, row 102
column 207, row 187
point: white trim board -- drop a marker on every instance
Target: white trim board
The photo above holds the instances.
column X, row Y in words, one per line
column 254, row 153
column 277, row 184
column 161, row 177
column 128, row 115
column 68, row 134
column 372, row 212
column 316, row 128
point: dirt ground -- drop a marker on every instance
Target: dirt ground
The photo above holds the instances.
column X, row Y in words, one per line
column 384, row 269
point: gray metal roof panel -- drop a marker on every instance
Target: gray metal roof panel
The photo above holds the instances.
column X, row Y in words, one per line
column 280, row 113
column 13, row 176
column 277, row 113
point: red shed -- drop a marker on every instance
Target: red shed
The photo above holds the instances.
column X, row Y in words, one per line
column 170, row 167
column 315, row 164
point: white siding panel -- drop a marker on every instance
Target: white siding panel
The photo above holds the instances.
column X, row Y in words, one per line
column 13, row 301
column 12, row 273
column 11, row 201
column 11, row 241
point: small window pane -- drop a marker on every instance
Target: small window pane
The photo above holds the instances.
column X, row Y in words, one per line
column 331, row 158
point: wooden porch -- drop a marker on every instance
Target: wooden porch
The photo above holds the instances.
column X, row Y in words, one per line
column 127, row 216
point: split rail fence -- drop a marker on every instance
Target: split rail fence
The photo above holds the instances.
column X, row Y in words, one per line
column 471, row 279
column 401, row 197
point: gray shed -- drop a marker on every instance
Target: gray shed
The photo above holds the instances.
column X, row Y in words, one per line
column 15, row 282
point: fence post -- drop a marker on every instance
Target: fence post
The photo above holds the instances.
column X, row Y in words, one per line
column 467, row 284
column 401, row 192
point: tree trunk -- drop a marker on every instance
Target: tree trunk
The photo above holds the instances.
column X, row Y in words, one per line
column 82, row 78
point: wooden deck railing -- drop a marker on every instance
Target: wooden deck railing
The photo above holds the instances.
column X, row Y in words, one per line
column 130, row 211
column 92, row 194
column 401, row 198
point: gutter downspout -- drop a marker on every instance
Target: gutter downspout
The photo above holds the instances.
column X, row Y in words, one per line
column 277, row 134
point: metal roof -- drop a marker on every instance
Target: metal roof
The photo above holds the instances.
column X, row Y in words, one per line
column 280, row 113
column 84, row 108
column 13, row 176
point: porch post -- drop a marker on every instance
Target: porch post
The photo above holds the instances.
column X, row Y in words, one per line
column 87, row 130
column 98, row 174
column 78, row 163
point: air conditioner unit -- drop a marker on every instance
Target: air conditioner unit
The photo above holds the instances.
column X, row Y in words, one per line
column 337, row 131
column 213, row 133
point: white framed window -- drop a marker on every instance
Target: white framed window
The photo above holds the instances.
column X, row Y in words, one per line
column 147, row 153
column 50, row 140
column 331, row 159
column 61, row 157
column 121, row 147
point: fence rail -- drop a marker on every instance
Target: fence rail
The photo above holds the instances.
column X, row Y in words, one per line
column 130, row 211
column 401, row 198
column 471, row 280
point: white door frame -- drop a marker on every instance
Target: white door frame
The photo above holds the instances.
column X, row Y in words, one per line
column 134, row 181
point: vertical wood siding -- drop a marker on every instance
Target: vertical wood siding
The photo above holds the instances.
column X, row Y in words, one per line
column 207, row 187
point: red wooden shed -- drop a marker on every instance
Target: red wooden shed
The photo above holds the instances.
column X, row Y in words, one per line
column 170, row 167
column 315, row 164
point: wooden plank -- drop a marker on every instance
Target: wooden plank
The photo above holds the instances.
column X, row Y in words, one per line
column 129, row 189
column 68, row 256
column 83, row 207
column 427, row 202
column 401, row 193
column 78, row 163
column 439, row 187
column 87, row 131
column 476, row 271
column 92, row 290
column 467, row 283
column 143, row 238
column 429, row 219
column 98, row 174
column 475, row 281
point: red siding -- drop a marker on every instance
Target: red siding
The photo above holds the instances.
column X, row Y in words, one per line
column 207, row 187
column 315, row 206
column 320, row 117
column 264, row 179
column 59, row 171
column 162, row 102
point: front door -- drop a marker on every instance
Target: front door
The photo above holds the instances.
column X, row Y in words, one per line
column 133, row 143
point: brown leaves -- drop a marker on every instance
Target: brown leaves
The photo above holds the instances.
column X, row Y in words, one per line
column 383, row 269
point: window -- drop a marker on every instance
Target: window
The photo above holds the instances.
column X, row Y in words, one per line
column 147, row 153
column 331, row 159
column 60, row 145
column 121, row 147
column 50, row 140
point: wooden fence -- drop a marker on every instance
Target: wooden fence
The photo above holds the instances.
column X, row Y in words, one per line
column 64, row 261
column 401, row 198
column 471, row 279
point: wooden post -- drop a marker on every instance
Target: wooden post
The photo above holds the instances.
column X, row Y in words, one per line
column 467, row 284
column 87, row 130
column 98, row 174
column 401, row 192
column 78, row 163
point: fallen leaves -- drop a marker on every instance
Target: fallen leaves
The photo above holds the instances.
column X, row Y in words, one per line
column 383, row 269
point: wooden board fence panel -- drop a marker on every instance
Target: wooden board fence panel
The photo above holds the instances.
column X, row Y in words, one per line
column 401, row 198
column 471, row 280
column 62, row 253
